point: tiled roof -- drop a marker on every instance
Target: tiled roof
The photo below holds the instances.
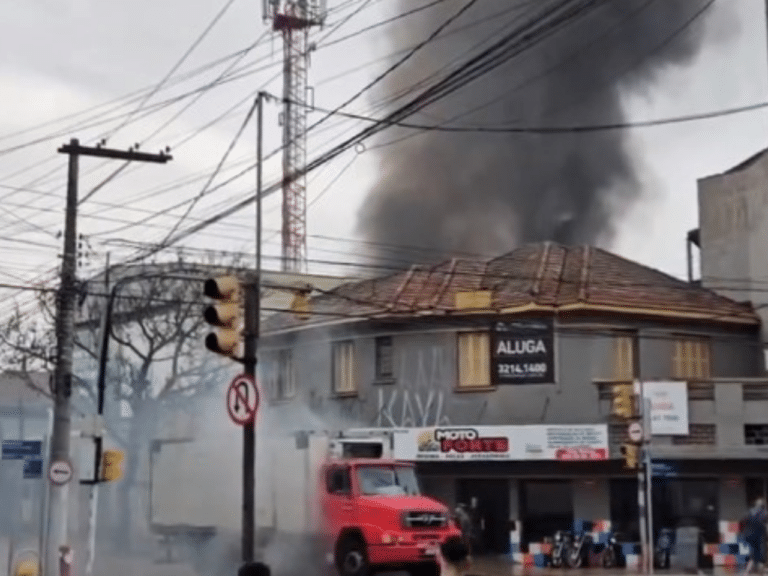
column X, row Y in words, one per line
column 543, row 276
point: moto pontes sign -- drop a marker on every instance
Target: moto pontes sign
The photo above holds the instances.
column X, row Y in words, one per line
column 523, row 352
column 533, row 442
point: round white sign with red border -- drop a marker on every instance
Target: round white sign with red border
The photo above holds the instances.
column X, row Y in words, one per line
column 243, row 399
column 60, row 472
column 635, row 431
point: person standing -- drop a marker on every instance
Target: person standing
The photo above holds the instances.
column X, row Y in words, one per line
column 755, row 535
column 464, row 520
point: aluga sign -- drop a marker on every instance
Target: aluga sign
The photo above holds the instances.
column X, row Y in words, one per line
column 523, row 352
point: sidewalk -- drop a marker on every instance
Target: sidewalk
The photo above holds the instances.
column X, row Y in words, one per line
column 503, row 566
column 484, row 566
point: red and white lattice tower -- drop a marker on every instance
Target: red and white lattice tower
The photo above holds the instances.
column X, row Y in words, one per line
column 293, row 19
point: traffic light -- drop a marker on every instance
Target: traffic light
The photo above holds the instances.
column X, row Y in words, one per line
column 622, row 401
column 631, row 455
column 112, row 465
column 226, row 316
column 28, row 568
column 300, row 304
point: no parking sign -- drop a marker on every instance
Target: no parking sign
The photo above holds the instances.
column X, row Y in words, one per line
column 243, row 399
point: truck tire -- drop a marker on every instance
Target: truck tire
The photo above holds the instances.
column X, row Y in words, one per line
column 352, row 557
column 426, row 569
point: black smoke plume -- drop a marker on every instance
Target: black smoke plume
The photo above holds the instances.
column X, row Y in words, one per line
column 449, row 193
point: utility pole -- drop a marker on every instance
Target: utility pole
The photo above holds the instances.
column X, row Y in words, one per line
column 59, row 553
column 646, row 557
column 293, row 19
column 648, row 477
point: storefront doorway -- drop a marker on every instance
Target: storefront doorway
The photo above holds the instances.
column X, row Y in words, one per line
column 676, row 502
column 755, row 487
column 624, row 508
column 686, row 502
column 491, row 497
column 545, row 507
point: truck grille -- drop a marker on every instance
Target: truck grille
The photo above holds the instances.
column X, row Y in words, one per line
column 425, row 519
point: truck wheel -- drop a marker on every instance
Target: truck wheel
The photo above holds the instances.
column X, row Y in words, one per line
column 427, row 569
column 352, row 558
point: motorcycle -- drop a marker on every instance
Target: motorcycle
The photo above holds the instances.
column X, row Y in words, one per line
column 663, row 550
column 578, row 552
column 610, row 556
column 561, row 544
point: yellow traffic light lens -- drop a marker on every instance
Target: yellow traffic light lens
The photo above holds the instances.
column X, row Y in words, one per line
column 111, row 465
column 631, row 455
column 622, row 402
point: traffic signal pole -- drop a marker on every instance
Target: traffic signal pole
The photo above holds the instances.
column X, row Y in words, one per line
column 646, row 558
column 252, row 313
column 249, row 429
column 648, row 476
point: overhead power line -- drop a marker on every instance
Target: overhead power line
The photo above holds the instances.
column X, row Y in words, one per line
column 712, row 114
column 176, row 66
column 215, row 172
column 517, row 40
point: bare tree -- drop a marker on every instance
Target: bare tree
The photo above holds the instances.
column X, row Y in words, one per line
column 28, row 341
column 156, row 357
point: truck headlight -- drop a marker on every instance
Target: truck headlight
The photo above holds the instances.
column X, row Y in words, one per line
column 388, row 539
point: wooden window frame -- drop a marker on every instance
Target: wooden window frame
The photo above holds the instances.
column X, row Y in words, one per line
column 337, row 378
column 480, row 362
column 380, row 343
column 285, row 383
column 692, row 358
column 623, row 356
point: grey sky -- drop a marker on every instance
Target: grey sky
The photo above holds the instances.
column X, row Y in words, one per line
column 59, row 58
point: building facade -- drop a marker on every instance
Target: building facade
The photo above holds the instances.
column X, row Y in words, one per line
column 733, row 232
column 496, row 377
column 25, row 415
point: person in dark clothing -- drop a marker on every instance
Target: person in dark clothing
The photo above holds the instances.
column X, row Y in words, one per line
column 464, row 520
column 755, row 535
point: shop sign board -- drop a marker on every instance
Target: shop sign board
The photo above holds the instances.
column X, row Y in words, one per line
column 669, row 407
column 523, row 352
column 663, row 469
column 576, row 442
column 21, row 449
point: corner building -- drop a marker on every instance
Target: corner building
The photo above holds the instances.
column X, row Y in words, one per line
column 496, row 377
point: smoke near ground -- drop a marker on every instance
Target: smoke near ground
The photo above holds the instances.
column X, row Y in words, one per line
column 486, row 193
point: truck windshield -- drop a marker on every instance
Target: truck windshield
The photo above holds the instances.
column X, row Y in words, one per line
column 387, row 481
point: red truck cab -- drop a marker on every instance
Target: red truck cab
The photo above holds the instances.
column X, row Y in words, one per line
column 374, row 518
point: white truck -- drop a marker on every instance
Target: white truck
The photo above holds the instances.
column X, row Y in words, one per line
column 361, row 510
column 322, row 499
